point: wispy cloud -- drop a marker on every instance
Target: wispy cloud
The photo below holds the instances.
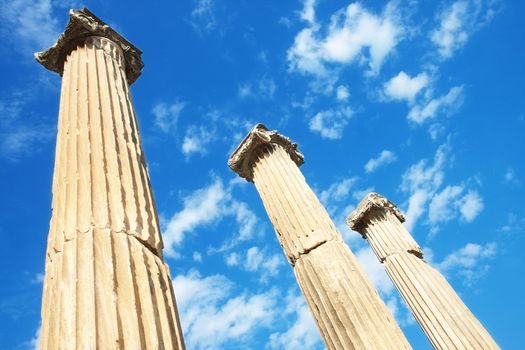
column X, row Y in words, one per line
column 385, row 157
column 430, row 108
column 167, row 115
column 207, row 206
column 257, row 260
column 263, row 88
column 331, row 123
column 203, row 18
column 342, row 93
column 31, row 25
column 214, row 316
column 423, row 182
column 354, row 35
column 19, row 137
column 451, row 202
column 337, row 191
column 302, row 332
column 510, row 176
column 196, row 140
column 458, row 21
column 469, row 262
column 513, row 225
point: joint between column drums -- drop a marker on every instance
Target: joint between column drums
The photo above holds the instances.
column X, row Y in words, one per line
column 307, row 251
column 416, row 253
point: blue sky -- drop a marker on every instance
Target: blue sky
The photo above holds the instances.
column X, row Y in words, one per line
column 420, row 101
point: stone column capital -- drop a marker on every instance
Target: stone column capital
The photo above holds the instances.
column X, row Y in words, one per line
column 242, row 159
column 372, row 201
column 82, row 24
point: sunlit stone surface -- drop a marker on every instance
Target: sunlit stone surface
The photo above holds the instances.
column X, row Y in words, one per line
column 445, row 319
column 106, row 284
column 347, row 309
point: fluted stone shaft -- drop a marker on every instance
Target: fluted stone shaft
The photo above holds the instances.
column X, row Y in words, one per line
column 106, row 285
column 346, row 307
column 445, row 319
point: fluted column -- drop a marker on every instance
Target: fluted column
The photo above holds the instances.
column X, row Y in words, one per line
column 445, row 319
column 347, row 309
column 106, row 284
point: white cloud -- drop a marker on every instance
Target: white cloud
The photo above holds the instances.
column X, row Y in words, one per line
column 21, row 131
column 213, row 317
column 451, row 34
column 445, row 104
column 331, row 123
column 203, row 18
column 21, row 140
column 202, row 207
column 441, row 207
column 34, row 343
column 31, row 24
column 353, row 35
column 257, row 260
column 421, row 181
column 342, row 93
column 404, row 87
column 197, row 257
column 510, row 176
column 337, row 191
column 39, row 278
column 308, row 12
column 196, row 140
column 208, row 206
column 458, row 21
column 303, row 332
column 423, row 184
column 386, row 157
column 470, row 206
column 468, row 262
column 375, row 271
column 233, row 259
column 167, row 115
column 264, row 88
column 514, row 224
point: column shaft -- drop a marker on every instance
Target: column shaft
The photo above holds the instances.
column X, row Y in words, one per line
column 347, row 309
column 106, row 285
column 445, row 319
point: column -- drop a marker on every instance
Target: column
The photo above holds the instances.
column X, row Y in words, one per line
column 106, row 285
column 347, row 309
column 445, row 319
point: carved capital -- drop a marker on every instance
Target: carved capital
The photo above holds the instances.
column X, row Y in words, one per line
column 372, row 201
column 82, row 24
column 241, row 160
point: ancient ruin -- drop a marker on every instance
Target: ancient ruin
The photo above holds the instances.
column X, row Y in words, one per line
column 445, row 319
column 348, row 310
column 106, row 285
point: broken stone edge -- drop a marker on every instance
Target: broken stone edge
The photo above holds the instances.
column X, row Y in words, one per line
column 372, row 201
column 82, row 24
column 241, row 160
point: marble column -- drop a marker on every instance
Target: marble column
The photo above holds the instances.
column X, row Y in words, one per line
column 346, row 307
column 445, row 319
column 106, row 285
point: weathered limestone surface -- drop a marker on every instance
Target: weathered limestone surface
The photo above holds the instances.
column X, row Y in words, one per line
column 445, row 319
column 106, row 285
column 346, row 307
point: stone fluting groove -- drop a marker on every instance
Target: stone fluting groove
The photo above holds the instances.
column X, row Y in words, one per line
column 445, row 319
column 347, row 309
column 106, row 285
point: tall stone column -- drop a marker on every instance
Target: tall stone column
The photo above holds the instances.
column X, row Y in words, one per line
column 106, row 284
column 347, row 309
column 445, row 319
